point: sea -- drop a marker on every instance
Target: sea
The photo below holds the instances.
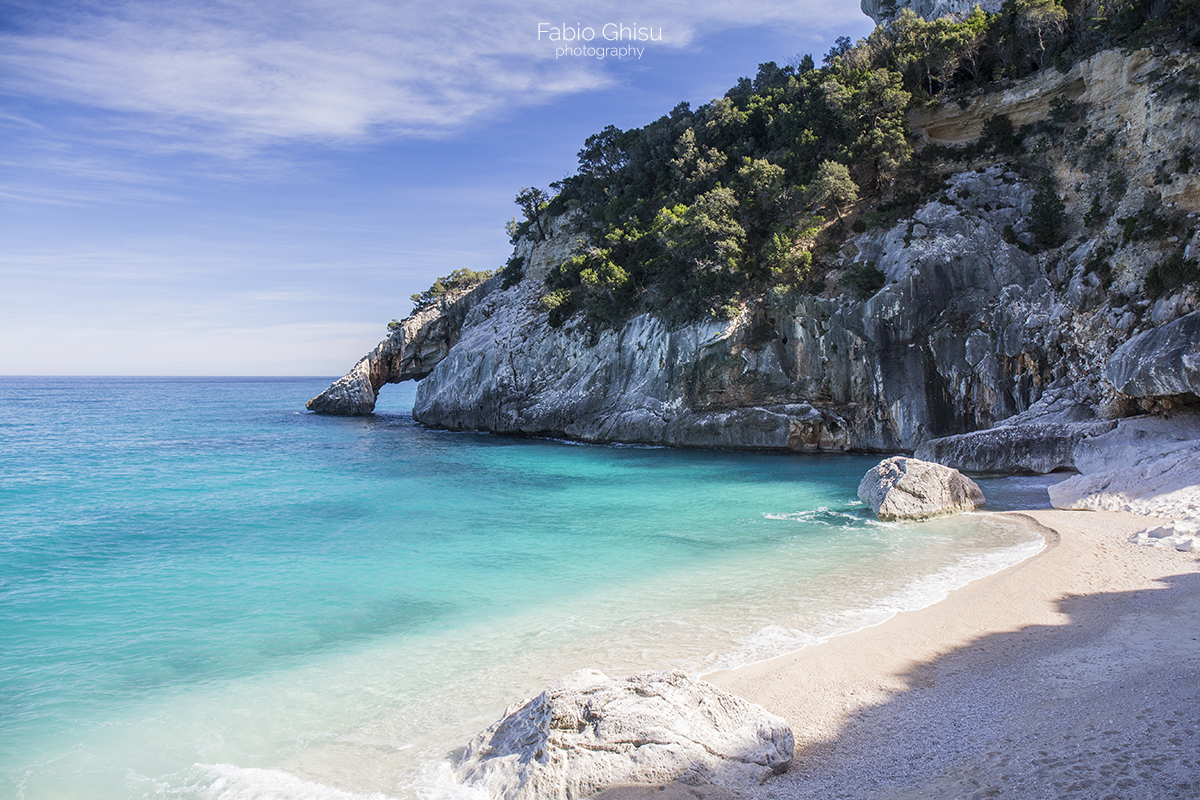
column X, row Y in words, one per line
column 208, row 593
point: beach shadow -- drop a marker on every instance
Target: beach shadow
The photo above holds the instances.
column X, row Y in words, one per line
column 1106, row 706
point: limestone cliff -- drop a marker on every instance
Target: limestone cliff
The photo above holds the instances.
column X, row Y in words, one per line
column 975, row 324
column 883, row 11
column 410, row 352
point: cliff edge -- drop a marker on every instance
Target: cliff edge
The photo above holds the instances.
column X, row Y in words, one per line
column 977, row 327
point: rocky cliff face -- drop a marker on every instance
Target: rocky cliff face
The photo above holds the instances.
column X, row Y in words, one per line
column 410, row 352
column 974, row 326
column 883, row 11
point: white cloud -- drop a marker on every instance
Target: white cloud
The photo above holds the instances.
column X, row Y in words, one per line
column 238, row 75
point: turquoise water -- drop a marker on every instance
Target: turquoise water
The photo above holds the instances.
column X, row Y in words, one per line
column 206, row 592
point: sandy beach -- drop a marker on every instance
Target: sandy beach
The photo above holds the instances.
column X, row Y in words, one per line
column 1075, row 674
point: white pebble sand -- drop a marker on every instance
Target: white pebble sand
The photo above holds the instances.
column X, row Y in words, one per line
column 1075, row 674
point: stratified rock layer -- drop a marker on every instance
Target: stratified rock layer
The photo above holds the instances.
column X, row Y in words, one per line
column 907, row 489
column 588, row 732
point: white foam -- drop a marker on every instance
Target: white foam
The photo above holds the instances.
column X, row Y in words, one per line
column 435, row 781
column 227, row 782
column 773, row 641
column 831, row 518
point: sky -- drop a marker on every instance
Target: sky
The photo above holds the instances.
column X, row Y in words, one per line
column 249, row 187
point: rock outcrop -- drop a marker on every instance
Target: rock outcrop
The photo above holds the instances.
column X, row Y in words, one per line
column 906, row 489
column 1145, row 465
column 1161, row 361
column 884, row 11
column 882, row 374
column 587, row 732
column 410, row 352
column 1041, row 439
column 1038, row 447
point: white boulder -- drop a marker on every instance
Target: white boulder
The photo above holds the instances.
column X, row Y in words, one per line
column 1165, row 486
column 1179, row 535
column 1147, row 465
column 908, row 489
column 587, row 732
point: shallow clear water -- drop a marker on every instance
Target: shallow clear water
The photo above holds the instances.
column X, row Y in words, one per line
column 206, row 592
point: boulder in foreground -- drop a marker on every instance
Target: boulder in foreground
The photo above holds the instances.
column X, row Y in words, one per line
column 907, row 489
column 587, row 732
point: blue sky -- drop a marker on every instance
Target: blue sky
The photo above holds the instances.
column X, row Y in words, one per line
column 255, row 188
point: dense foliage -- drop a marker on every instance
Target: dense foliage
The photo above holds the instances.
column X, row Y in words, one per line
column 702, row 209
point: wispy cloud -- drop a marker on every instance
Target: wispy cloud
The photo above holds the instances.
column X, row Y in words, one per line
column 239, row 75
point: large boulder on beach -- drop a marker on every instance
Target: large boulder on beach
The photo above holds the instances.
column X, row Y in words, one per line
column 1145, row 465
column 588, row 732
column 909, row 489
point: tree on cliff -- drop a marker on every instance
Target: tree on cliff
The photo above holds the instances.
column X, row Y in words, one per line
column 533, row 204
column 833, row 187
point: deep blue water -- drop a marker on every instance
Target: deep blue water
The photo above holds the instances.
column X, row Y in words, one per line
column 206, row 591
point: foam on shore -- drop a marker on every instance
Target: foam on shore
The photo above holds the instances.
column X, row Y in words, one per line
column 1060, row 676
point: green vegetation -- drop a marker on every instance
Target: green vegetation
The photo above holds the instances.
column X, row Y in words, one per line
column 833, row 187
column 534, row 204
column 456, row 281
column 999, row 137
column 513, row 271
column 704, row 210
column 1173, row 272
column 1048, row 216
column 864, row 280
column 1151, row 221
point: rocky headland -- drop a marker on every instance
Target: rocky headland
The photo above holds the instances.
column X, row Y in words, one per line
column 980, row 350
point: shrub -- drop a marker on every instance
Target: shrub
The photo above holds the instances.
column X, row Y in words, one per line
column 1146, row 223
column 1048, row 216
column 1064, row 110
column 999, row 136
column 513, row 271
column 560, row 304
column 1172, row 273
column 459, row 280
column 864, row 280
